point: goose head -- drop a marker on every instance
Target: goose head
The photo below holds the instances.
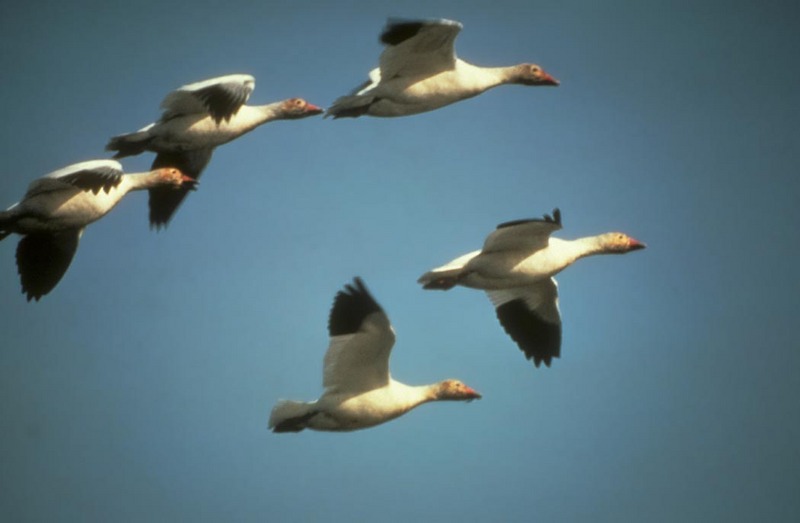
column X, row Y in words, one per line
column 295, row 108
column 532, row 74
column 455, row 390
column 172, row 177
column 619, row 243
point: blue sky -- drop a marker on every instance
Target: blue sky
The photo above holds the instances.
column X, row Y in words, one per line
column 139, row 389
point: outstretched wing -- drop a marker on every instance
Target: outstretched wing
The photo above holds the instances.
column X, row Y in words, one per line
column 220, row 97
column 530, row 316
column 94, row 175
column 418, row 47
column 361, row 340
column 523, row 235
column 43, row 259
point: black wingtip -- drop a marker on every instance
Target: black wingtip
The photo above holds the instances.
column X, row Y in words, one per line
column 350, row 306
column 538, row 339
column 555, row 218
column 163, row 203
column 399, row 30
column 95, row 180
column 43, row 259
column 157, row 226
column 547, row 218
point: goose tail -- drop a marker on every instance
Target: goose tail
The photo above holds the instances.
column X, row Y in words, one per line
column 447, row 276
column 290, row 416
column 130, row 144
column 350, row 106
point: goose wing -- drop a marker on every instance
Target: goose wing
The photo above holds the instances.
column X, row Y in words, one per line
column 528, row 235
column 94, row 175
column 220, row 97
column 418, row 47
column 361, row 340
column 43, row 259
column 531, row 317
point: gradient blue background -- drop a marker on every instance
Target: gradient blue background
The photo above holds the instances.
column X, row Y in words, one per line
column 139, row 389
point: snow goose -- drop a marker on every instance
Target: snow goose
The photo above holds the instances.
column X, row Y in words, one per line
column 197, row 118
column 516, row 268
column 418, row 71
column 57, row 207
column 359, row 391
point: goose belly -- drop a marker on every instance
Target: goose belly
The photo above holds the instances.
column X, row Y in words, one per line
column 358, row 412
column 192, row 132
column 502, row 270
column 403, row 96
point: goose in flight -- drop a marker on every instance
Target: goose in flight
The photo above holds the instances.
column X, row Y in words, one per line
column 359, row 390
column 418, row 71
column 197, row 118
column 57, row 208
column 516, row 268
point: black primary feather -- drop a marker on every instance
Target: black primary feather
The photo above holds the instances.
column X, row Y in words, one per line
column 222, row 102
column 555, row 218
column 350, row 307
column 105, row 178
column 164, row 201
column 397, row 32
column 540, row 340
column 43, row 259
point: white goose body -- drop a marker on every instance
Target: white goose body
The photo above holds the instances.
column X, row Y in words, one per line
column 504, row 269
column 342, row 412
column 200, row 131
column 70, row 207
column 197, row 118
column 418, row 94
column 359, row 391
column 516, row 268
column 56, row 208
column 420, row 72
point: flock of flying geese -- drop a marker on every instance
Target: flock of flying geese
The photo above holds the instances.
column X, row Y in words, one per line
column 418, row 71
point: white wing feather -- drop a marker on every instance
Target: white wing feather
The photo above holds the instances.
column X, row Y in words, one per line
column 359, row 362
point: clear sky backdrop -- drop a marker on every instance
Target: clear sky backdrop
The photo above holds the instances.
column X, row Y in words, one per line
column 139, row 389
